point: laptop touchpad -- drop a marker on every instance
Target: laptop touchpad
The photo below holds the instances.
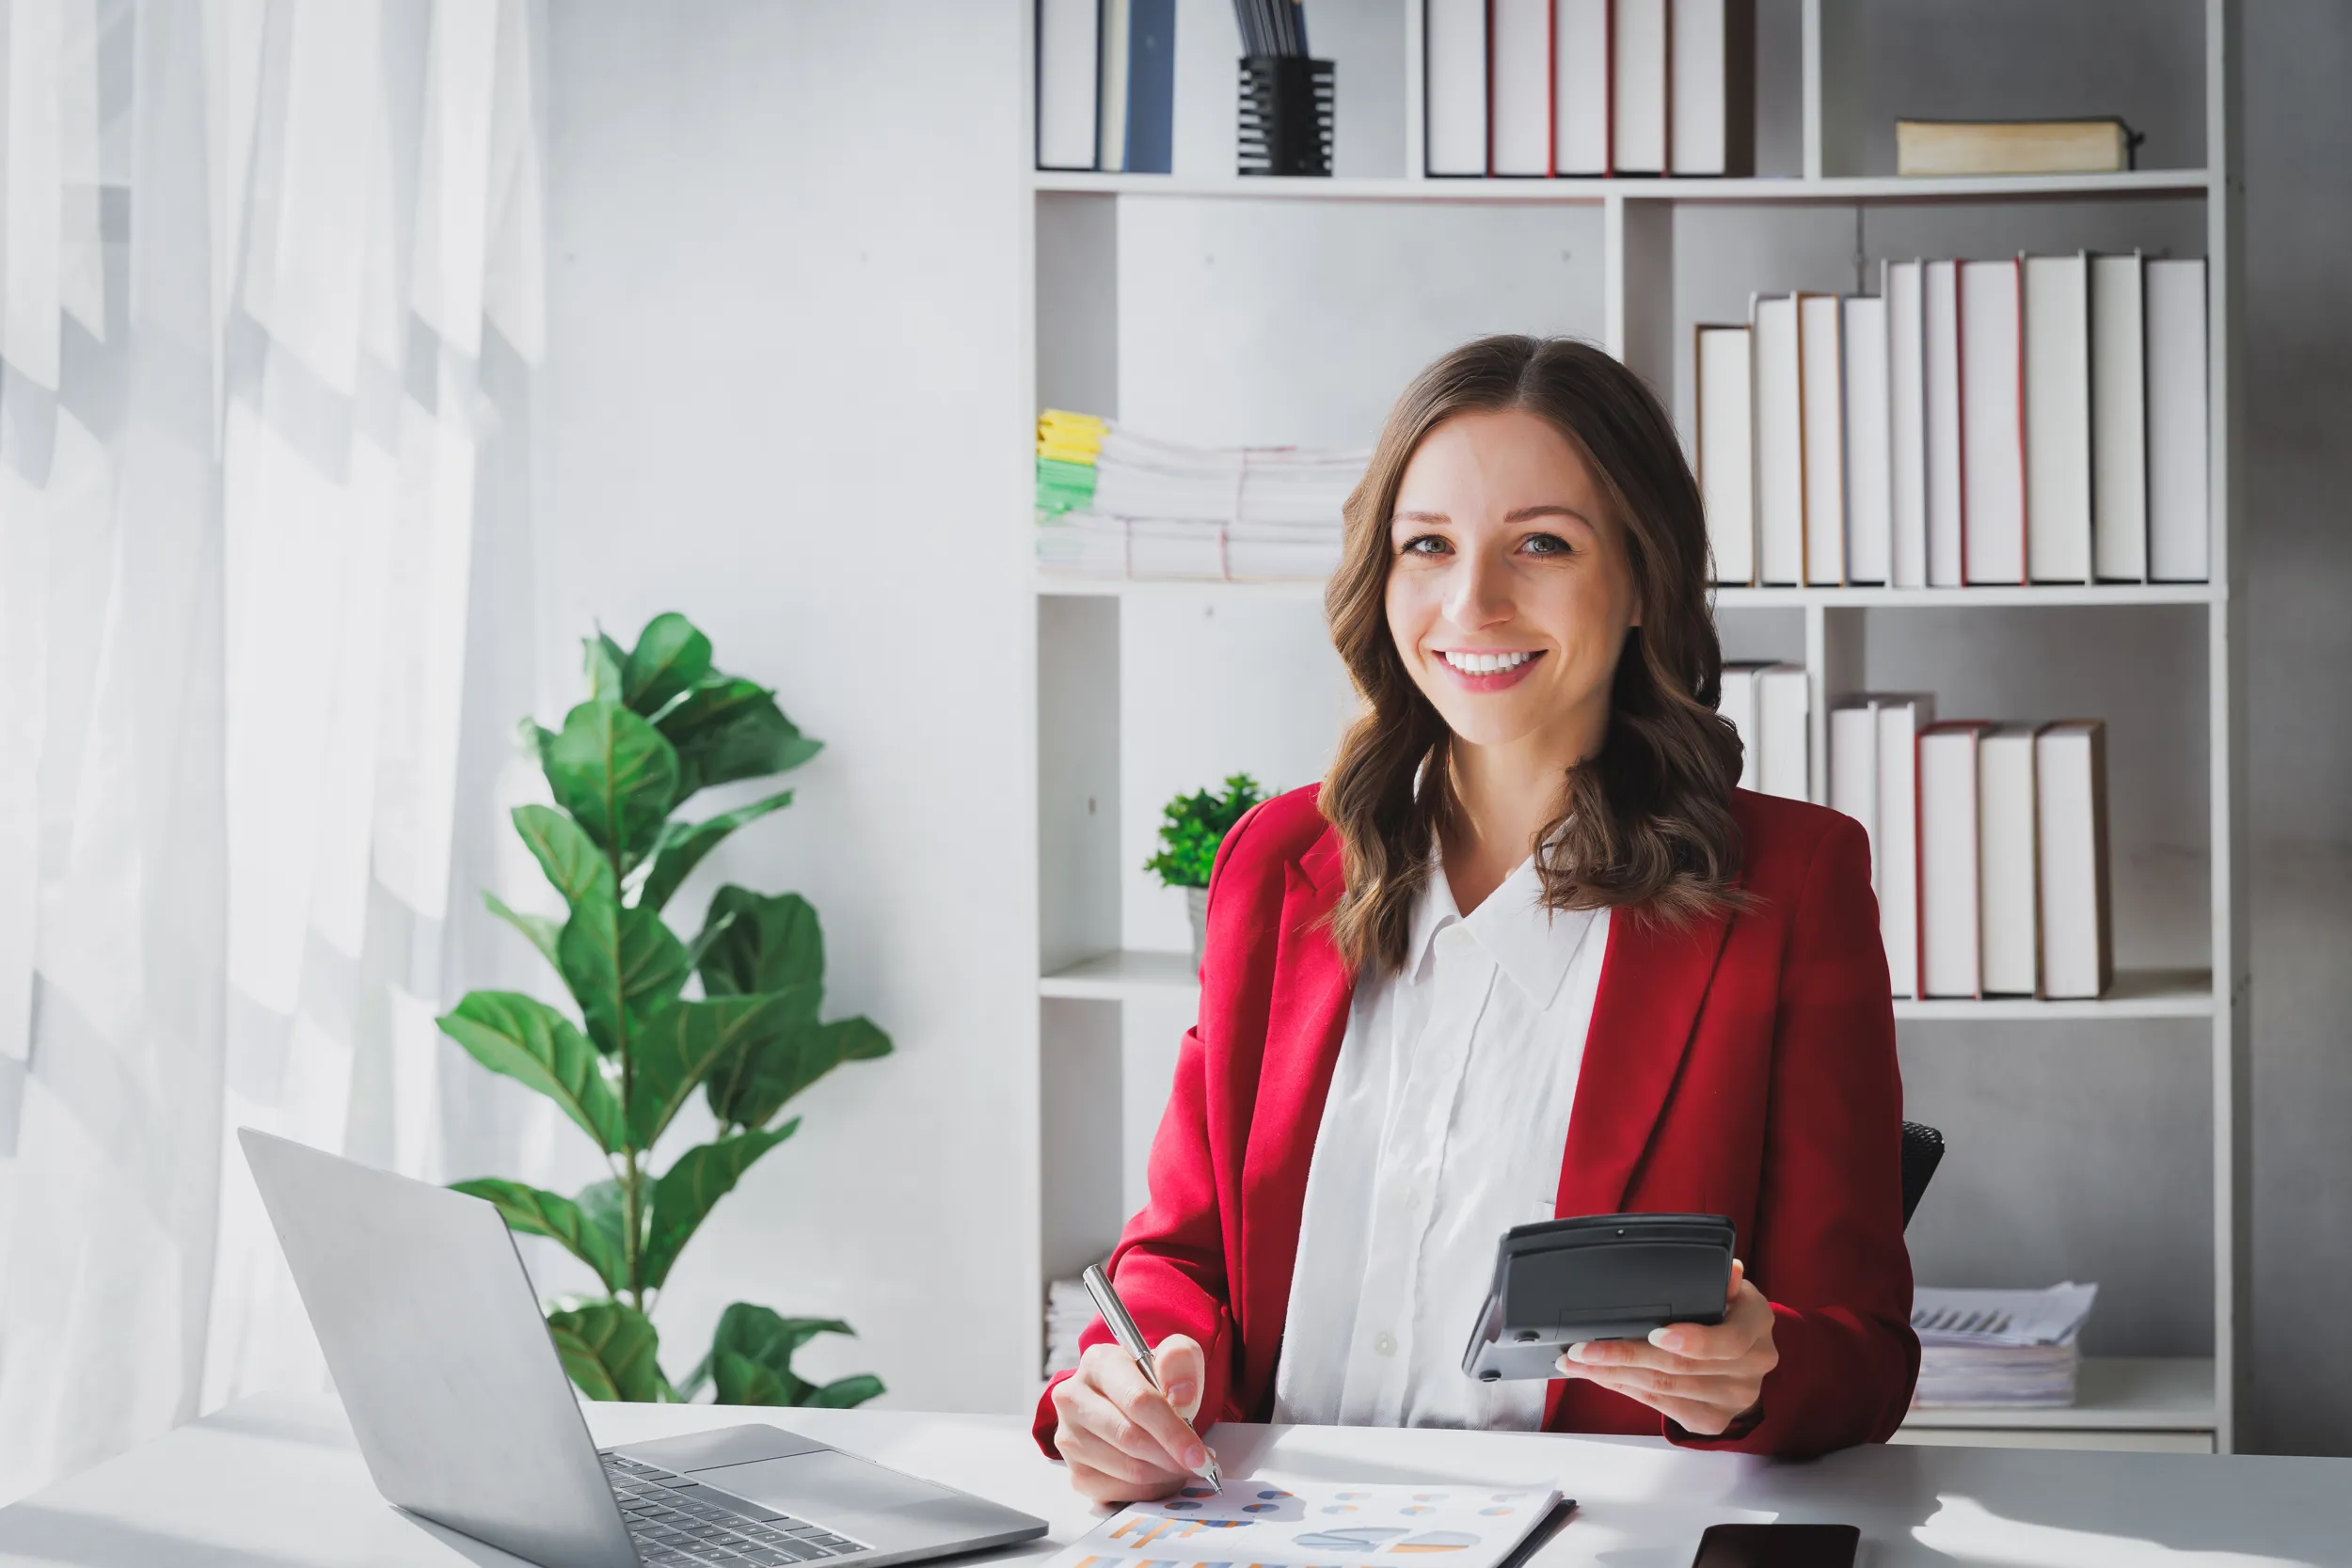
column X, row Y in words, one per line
column 823, row 1487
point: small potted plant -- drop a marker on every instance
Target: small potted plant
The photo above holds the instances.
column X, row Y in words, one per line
column 1191, row 828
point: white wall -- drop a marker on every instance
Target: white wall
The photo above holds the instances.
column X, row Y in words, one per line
column 783, row 394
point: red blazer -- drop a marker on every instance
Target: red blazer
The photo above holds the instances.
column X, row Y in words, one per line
column 1744, row 1066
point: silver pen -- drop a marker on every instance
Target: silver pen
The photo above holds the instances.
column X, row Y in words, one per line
column 1130, row 1340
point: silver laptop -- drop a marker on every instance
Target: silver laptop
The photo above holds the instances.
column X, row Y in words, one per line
column 465, row 1415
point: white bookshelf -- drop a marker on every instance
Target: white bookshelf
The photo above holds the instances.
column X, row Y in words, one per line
column 1087, row 978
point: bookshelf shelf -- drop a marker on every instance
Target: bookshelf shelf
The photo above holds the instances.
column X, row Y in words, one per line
column 2115, row 1394
column 2139, row 184
column 1150, row 975
column 2053, row 595
column 1133, row 333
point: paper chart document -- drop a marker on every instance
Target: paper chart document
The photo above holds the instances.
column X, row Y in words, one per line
column 1315, row 1525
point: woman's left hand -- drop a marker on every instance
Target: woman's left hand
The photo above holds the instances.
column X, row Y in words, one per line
column 1704, row 1376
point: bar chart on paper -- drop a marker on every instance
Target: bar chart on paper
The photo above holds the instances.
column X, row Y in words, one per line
column 1261, row 1525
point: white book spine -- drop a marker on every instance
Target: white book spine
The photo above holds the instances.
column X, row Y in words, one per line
column 1738, row 705
column 1579, row 86
column 1853, row 773
column 2057, row 418
column 1949, row 927
column 1896, row 861
column 2119, row 421
column 1453, row 60
column 1068, row 47
column 2070, row 796
column 1784, row 714
column 1939, row 291
column 1992, row 423
column 1726, row 450
column 1699, row 140
column 1819, row 351
column 2008, row 862
column 1869, row 497
column 1110, row 137
column 2179, row 534
column 1906, row 425
column 1639, row 85
column 1779, row 403
column 1519, row 81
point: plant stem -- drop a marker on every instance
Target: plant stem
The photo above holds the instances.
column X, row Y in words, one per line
column 632, row 1175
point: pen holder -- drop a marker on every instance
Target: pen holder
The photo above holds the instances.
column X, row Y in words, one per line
column 1285, row 114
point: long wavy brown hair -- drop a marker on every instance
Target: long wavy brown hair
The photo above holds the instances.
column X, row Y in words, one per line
column 1647, row 822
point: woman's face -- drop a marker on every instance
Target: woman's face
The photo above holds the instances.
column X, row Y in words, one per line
column 1509, row 591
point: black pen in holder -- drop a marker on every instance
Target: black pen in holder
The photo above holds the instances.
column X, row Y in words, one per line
column 1285, row 114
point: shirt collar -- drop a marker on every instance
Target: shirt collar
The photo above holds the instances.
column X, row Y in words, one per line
column 1531, row 944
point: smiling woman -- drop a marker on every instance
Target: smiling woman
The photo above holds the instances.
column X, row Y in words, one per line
column 1529, row 497
column 1527, row 952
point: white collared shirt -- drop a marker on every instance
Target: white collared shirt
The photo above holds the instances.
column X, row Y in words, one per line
column 1445, row 1126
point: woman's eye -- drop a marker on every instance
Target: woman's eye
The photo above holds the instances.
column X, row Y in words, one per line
column 1424, row 543
column 1547, row 544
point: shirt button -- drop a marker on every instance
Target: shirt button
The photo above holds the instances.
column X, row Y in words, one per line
column 1384, row 1343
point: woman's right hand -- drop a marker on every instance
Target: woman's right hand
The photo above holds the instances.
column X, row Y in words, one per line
column 1121, row 1439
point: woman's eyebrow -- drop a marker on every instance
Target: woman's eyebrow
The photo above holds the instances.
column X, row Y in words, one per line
column 1548, row 510
column 1418, row 517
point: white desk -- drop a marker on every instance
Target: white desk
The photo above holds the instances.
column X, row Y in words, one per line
column 276, row 1482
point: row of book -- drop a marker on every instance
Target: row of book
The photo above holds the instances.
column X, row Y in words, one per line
column 2035, row 418
column 1552, row 88
column 1988, row 846
column 1111, row 502
column 1106, row 84
column 1982, row 1349
column 1988, row 842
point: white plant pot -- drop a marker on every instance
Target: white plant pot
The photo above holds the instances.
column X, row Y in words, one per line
column 1197, row 905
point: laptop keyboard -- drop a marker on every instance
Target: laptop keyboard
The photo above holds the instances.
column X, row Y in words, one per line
column 676, row 1522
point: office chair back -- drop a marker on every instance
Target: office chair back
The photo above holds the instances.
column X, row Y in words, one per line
column 1923, row 1151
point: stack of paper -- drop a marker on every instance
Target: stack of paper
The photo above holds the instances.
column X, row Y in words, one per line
column 1998, row 1347
column 1160, row 509
column 1068, row 1311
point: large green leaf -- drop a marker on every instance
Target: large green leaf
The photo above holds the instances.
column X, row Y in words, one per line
column 610, row 1348
column 843, row 1392
column 727, row 729
column 569, row 857
column 531, row 1042
column 551, row 1214
column 684, row 1196
column 602, row 1205
column 604, row 662
column 670, row 656
column 622, row 965
column 772, row 944
column 681, row 1042
column 764, row 1341
column 751, row 1084
column 542, row 929
column 683, row 844
column 741, row 1380
column 615, row 774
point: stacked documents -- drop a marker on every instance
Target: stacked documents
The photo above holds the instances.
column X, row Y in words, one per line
column 1161, row 509
column 1998, row 1347
column 1068, row 1311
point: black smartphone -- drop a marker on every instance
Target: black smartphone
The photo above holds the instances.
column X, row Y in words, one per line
column 1778, row 1546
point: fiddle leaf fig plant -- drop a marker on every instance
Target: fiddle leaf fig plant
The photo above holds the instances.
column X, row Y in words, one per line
column 661, row 724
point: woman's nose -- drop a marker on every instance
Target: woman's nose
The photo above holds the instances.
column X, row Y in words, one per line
column 1478, row 595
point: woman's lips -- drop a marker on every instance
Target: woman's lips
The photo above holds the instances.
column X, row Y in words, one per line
column 1496, row 681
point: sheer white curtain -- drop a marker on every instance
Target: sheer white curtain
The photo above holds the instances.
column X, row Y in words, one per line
column 272, row 293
